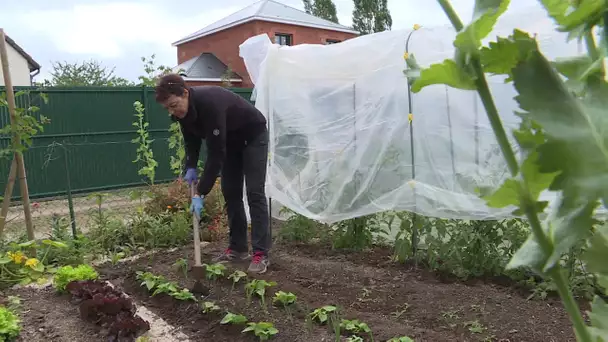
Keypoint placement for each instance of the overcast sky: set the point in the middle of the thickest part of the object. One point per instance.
(120, 32)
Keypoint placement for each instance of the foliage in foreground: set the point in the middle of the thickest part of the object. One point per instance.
(10, 325)
(562, 137)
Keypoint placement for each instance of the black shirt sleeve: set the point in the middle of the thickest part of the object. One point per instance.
(192, 145)
(216, 149)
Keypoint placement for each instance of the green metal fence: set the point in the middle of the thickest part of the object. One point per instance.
(87, 146)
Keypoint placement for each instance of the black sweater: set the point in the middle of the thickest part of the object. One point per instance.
(225, 120)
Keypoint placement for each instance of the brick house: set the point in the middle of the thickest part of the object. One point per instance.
(206, 55)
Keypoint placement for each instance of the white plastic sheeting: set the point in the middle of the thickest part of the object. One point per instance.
(340, 135)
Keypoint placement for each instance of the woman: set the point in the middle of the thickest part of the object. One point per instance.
(237, 146)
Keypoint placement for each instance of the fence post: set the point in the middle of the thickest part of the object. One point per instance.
(69, 191)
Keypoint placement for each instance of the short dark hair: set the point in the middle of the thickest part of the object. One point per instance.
(170, 84)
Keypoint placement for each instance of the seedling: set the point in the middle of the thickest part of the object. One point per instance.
(356, 327)
(209, 307)
(184, 294)
(231, 318)
(285, 298)
(236, 277)
(355, 338)
(401, 339)
(182, 265)
(258, 287)
(322, 314)
(167, 287)
(116, 257)
(475, 327)
(214, 271)
(150, 280)
(450, 315)
(326, 314)
(397, 314)
(263, 330)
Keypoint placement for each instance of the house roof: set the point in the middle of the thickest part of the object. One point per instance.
(267, 10)
(30, 61)
(205, 67)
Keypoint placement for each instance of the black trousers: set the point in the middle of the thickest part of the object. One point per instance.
(247, 163)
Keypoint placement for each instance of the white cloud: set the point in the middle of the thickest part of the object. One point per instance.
(119, 32)
(104, 29)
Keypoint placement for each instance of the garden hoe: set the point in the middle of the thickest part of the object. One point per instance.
(198, 271)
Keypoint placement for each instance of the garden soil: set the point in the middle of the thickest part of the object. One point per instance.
(48, 316)
(395, 300)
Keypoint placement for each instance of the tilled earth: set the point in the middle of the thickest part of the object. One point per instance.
(394, 300)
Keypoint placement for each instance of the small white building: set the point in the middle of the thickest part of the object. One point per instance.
(23, 66)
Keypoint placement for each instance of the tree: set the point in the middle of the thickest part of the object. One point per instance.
(87, 73)
(153, 71)
(227, 76)
(325, 9)
(371, 16)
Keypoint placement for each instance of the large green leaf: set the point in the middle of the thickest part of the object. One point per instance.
(573, 67)
(556, 9)
(599, 319)
(587, 12)
(530, 254)
(501, 56)
(596, 255)
(511, 191)
(576, 131)
(443, 73)
(576, 148)
(485, 16)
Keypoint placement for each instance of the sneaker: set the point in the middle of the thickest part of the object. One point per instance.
(230, 255)
(259, 263)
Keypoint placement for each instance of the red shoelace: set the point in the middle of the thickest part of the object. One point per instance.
(257, 257)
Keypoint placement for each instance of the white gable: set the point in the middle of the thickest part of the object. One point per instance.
(267, 10)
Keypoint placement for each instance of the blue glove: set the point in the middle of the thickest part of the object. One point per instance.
(190, 176)
(197, 206)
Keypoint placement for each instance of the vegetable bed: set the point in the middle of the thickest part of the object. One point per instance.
(392, 300)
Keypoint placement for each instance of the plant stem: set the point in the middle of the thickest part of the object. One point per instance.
(591, 47)
(580, 328)
(499, 131)
(452, 15)
(526, 201)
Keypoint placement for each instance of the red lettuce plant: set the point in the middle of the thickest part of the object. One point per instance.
(108, 307)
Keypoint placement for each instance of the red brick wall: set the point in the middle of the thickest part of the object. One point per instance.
(301, 34)
(197, 83)
(225, 44)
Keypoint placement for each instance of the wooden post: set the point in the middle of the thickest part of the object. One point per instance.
(8, 192)
(10, 97)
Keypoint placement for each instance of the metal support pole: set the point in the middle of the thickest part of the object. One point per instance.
(411, 123)
(69, 192)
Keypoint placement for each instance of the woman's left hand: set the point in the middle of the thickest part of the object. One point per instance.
(197, 206)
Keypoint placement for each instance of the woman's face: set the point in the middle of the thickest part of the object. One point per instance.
(177, 105)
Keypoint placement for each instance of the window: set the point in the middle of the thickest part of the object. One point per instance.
(332, 41)
(283, 39)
